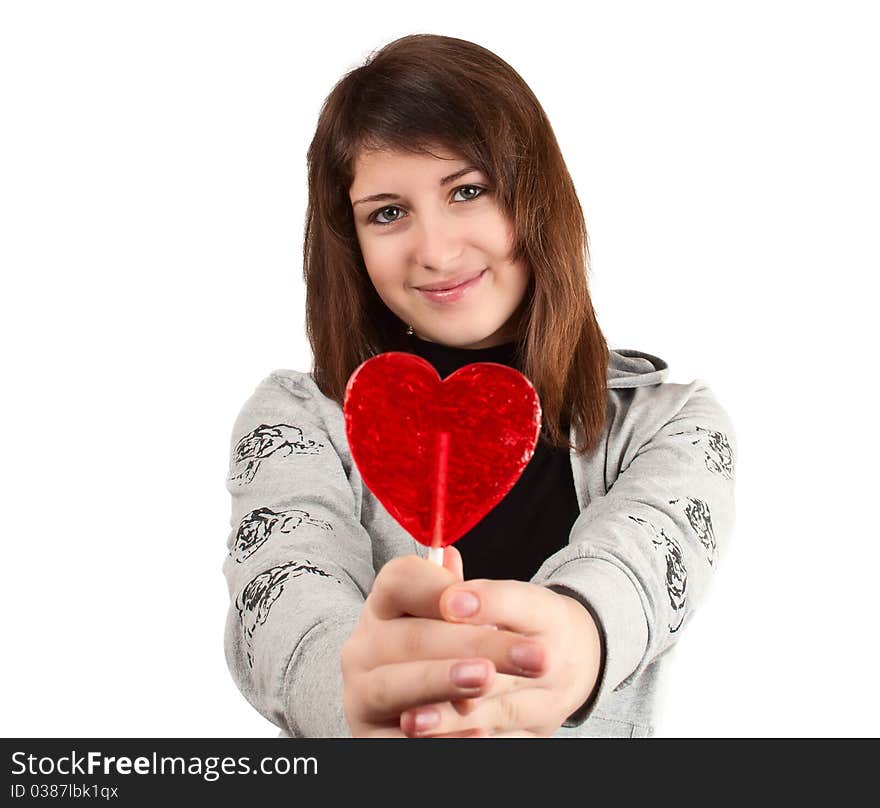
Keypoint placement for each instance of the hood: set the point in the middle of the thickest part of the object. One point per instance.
(631, 368)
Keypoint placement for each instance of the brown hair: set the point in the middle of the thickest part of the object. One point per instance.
(417, 93)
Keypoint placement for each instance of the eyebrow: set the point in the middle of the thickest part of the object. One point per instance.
(445, 181)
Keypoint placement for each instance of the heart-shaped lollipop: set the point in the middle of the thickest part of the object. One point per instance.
(439, 454)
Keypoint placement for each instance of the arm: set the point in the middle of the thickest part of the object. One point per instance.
(642, 557)
(300, 562)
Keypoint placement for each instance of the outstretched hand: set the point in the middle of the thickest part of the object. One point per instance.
(403, 653)
(549, 674)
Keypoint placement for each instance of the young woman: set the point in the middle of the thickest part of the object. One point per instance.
(442, 221)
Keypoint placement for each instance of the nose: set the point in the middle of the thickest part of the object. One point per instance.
(439, 241)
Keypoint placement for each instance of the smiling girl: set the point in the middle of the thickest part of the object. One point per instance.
(442, 221)
(438, 234)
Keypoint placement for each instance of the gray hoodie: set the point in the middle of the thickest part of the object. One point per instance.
(307, 539)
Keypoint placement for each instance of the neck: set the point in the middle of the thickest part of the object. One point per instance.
(448, 358)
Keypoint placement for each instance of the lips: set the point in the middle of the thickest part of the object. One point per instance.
(462, 291)
(450, 284)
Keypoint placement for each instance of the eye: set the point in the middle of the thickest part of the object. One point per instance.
(473, 188)
(372, 218)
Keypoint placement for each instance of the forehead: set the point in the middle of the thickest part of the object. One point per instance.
(391, 167)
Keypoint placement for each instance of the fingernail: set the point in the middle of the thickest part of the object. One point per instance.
(527, 657)
(425, 719)
(468, 674)
(464, 604)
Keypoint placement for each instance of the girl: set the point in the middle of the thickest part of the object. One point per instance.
(442, 221)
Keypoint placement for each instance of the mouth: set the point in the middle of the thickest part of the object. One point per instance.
(452, 293)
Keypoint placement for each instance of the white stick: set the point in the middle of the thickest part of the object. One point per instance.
(435, 553)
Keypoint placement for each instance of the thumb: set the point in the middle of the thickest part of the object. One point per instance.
(452, 561)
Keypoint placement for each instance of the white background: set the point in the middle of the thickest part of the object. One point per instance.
(152, 194)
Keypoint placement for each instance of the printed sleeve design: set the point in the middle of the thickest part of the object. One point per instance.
(298, 560)
(263, 442)
(676, 574)
(719, 458)
(256, 599)
(643, 554)
(261, 524)
(700, 520)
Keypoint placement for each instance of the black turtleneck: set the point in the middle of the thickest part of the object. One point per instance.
(534, 519)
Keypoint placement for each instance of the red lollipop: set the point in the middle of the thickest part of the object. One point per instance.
(439, 454)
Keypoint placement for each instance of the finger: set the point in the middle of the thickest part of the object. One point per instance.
(521, 734)
(394, 732)
(517, 711)
(505, 683)
(508, 715)
(502, 683)
(464, 706)
(452, 719)
(468, 733)
(411, 638)
(438, 720)
(409, 585)
(391, 689)
(453, 562)
(513, 605)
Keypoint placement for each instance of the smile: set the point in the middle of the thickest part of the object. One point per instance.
(455, 293)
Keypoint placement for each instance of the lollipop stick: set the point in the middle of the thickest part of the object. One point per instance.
(435, 552)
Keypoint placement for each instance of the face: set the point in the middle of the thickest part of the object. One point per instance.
(436, 224)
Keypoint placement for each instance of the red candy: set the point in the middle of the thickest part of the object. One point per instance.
(439, 455)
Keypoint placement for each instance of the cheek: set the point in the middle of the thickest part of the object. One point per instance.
(516, 279)
(371, 248)
(496, 237)
(382, 262)
(379, 266)
(368, 252)
(381, 281)
(390, 290)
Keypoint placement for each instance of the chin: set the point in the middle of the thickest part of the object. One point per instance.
(456, 338)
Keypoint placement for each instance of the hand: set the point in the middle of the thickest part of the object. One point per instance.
(403, 654)
(565, 663)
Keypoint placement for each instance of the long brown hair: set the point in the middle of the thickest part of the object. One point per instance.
(417, 93)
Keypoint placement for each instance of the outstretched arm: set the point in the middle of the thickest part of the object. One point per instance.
(299, 564)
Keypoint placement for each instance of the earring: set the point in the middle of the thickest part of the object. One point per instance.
(409, 330)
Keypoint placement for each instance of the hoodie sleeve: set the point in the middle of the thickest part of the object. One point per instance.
(641, 557)
(299, 565)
